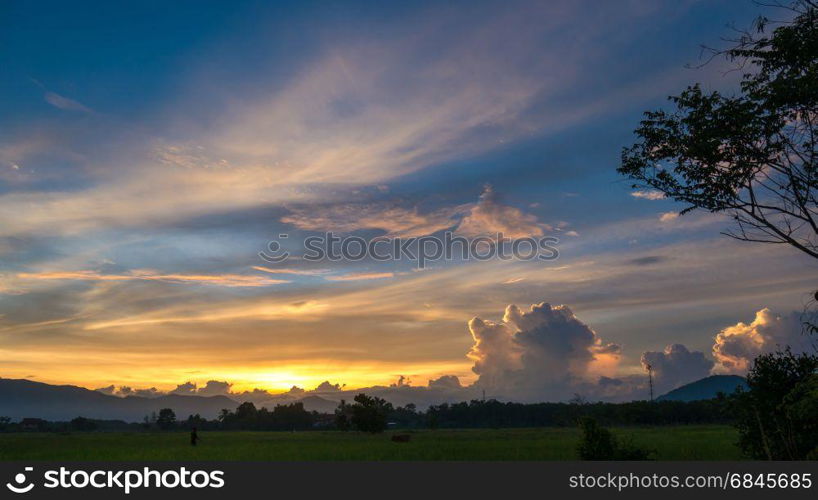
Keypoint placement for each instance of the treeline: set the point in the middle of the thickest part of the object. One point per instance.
(369, 414)
(494, 414)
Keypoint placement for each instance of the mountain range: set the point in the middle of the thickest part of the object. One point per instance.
(706, 388)
(20, 398)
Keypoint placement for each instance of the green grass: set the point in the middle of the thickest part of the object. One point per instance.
(671, 443)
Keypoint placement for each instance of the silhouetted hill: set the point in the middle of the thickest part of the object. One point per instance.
(319, 404)
(24, 398)
(706, 388)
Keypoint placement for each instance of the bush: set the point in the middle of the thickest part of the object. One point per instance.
(777, 418)
(598, 443)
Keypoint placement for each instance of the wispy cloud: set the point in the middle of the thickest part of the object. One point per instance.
(648, 194)
(487, 217)
(229, 280)
(61, 102)
(360, 276)
(290, 270)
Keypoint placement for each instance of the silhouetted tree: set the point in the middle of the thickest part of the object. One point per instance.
(753, 155)
(777, 417)
(369, 414)
(83, 424)
(195, 421)
(166, 419)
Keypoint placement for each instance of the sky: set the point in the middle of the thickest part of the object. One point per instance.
(149, 152)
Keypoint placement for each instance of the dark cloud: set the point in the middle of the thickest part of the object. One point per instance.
(186, 389)
(648, 260)
(445, 382)
(676, 365)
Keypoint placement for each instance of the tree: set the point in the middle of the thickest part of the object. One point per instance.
(777, 416)
(598, 443)
(83, 424)
(343, 416)
(752, 155)
(4, 423)
(166, 419)
(369, 413)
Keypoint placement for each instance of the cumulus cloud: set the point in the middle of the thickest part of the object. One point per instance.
(151, 392)
(186, 389)
(326, 386)
(735, 346)
(124, 391)
(676, 365)
(445, 382)
(214, 388)
(538, 354)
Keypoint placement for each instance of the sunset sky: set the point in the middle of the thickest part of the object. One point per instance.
(149, 152)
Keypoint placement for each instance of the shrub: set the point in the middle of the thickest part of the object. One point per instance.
(598, 443)
(776, 417)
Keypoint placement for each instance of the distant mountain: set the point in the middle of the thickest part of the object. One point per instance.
(25, 398)
(311, 403)
(706, 388)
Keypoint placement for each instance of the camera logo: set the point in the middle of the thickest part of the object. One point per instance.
(20, 479)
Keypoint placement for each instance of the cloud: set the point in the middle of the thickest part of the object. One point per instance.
(124, 391)
(397, 222)
(648, 194)
(186, 389)
(59, 101)
(538, 354)
(228, 280)
(151, 392)
(489, 217)
(65, 103)
(214, 388)
(445, 382)
(360, 276)
(648, 260)
(326, 386)
(288, 270)
(668, 216)
(736, 346)
(675, 366)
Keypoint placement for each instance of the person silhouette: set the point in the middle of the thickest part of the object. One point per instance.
(193, 437)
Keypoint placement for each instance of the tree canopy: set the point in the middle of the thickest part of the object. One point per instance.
(753, 154)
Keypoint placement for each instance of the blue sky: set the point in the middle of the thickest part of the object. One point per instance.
(149, 152)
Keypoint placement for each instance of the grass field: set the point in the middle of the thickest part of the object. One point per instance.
(671, 443)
